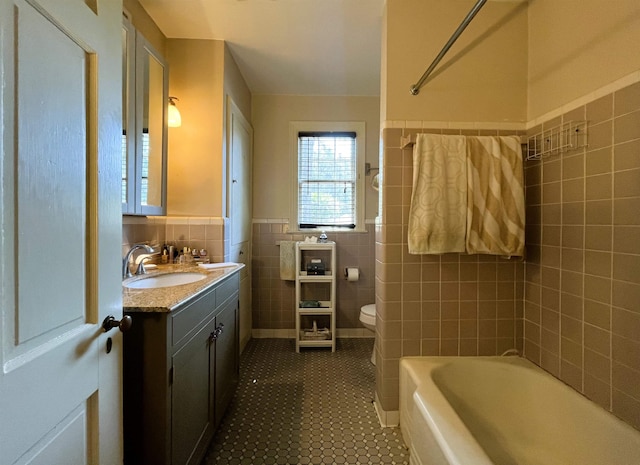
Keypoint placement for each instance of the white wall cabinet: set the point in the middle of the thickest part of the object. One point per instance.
(316, 295)
(145, 84)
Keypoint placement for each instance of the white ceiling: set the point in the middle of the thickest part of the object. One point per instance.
(294, 47)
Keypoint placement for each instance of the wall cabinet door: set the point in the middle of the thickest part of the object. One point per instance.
(192, 420)
(145, 84)
(240, 150)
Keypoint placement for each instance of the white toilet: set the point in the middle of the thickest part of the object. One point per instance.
(368, 319)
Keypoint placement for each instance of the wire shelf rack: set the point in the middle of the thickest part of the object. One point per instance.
(568, 136)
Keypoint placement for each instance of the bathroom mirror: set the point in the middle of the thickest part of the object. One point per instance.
(144, 142)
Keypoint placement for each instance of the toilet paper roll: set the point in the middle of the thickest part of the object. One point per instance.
(352, 274)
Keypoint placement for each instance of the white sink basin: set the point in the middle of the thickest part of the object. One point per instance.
(165, 280)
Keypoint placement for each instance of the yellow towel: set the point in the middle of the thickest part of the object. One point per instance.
(288, 260)
(438, 211)
(495, 216)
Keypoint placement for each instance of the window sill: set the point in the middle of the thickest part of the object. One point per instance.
(326, 230)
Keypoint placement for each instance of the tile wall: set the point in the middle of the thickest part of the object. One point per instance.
(197, 232)
(145, 230)
(273, 298)
(582, 288)
(451, 304)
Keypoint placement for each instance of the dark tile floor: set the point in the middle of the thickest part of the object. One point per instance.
(312, 407)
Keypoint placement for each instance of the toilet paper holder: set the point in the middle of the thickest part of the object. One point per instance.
(351, 273)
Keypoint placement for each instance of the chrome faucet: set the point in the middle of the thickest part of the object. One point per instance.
(126, 273)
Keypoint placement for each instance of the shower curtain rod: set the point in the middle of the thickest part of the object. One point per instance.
(415, 89)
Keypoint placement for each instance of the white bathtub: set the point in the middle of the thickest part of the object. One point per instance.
(505, 411)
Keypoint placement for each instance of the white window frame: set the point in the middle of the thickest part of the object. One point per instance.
(359, 128)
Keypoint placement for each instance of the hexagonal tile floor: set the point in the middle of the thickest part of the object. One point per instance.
(312, 407)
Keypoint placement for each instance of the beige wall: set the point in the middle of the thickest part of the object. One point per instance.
(577, 46)
(195, 170)
(202, 73)
(482, 77)
(235, 85)
(383, 67)
(272, 160)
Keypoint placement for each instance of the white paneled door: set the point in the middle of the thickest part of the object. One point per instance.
(60, 232)
(240, 146)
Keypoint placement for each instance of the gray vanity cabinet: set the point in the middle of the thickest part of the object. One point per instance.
(181, 369)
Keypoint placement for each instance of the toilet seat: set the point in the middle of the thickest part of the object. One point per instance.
(368, 314)
(368, 319)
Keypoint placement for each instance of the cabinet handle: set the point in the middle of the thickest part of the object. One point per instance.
(215, 334)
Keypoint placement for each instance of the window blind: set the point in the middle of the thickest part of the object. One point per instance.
(124, 167)
(327, 179)
(145, 167)
(144, 187)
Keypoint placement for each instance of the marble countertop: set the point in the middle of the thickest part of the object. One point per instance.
(167, 299)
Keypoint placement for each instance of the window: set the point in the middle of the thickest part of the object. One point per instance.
(145, 167)
(328, 188)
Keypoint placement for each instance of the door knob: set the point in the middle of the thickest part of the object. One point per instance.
(110, 322)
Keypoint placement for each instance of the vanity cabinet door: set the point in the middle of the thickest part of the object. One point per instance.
(192, 421)
(226, 357)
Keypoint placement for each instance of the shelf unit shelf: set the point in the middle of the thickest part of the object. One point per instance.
(310, 343)
(315, 311)
(316, 279)
(316, 319)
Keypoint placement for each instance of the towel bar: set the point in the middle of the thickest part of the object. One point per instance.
(410, 140)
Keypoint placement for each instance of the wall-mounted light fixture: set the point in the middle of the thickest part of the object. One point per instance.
(174, 118)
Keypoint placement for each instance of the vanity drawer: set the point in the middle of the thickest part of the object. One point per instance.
(189, 318)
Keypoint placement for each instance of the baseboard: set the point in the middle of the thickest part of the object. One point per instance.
(387, 419)
(273, 333)
(351, 333)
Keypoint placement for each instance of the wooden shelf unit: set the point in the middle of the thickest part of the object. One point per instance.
(316, 289)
